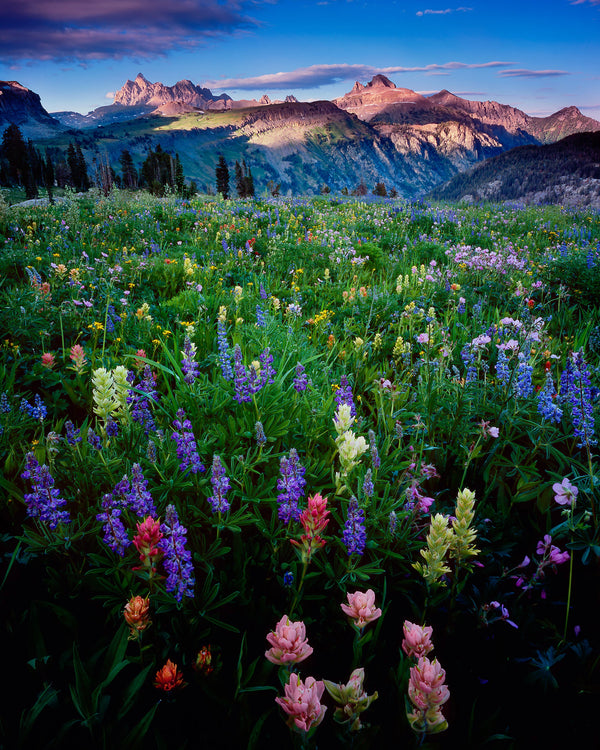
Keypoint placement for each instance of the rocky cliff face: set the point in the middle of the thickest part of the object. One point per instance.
(22, 107)
(142, 91)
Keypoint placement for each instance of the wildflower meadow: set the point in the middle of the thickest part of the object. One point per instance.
(298, 473)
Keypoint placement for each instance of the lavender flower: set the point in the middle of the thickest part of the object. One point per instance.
(112, 428)
(301, 379)
(344, 395)
(4, 404)
(44, 502)
(291, 486)
(355, 534)
(177, 560)
(220, 484)
(267, 372)
(189, 366)
(187, 449)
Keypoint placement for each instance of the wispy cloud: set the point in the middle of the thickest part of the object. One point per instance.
(581, 2)
(431, 12)
(315, 76)
(72, 30)
(521, 73)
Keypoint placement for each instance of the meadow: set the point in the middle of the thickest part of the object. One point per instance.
(307, 472)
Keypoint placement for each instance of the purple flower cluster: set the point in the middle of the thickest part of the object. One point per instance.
(250, 380)
(502, 368)
(523, 382)
(115, 535)
(547, 405)
(177, 560)
(291, 487)
(301, 379)
(189, 366)
(259, 434)
(93, 439)
(355, 534)
(73, 433)
(375, 460)
(368, 487)
(261, 317)
(220, 485)
(44, 501)
(126, 494)
(187, 449)
(145, 393)
(224, 353)
(576, 390)
(344, 395)
(37, 410)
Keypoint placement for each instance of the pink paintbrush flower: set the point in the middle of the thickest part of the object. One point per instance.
(417, 639)
(302, 703)
(289, 644)
(361, 608)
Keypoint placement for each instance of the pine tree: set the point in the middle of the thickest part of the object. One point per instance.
(179, 178)
(129, 177)
(14, 150)
(240, 182)
(222, 175)
(49, 177)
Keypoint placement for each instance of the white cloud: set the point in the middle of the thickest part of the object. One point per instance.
(431, 12)
(522, 73)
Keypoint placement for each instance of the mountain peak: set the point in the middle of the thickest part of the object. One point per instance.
(141, 78)
(380, 81)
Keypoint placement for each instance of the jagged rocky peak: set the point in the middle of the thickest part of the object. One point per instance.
(356, 88)
(291, 99)
(380, 81)
(264, 99)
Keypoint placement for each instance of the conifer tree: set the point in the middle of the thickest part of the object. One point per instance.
(222, 175)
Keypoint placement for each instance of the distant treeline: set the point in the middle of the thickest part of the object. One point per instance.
(527, 169)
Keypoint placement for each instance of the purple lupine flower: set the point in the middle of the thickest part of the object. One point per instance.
(267, 372)
(262, 292)
(187, 448)
(141, 398)
(392, 522)
(224, 352)
(115, 535)
(301, 379)
(189, 366)
(73, 433)
(547, 405)
(37, 411)
(137, 497)
(93, 439)
(355, 534)
(523, 382)
(112, 428)
(241, 377)
(368, 487)
(151, 451)
(4, 404)
(468, 358)
(261, 318)
(375, 460)
(220, 484)
(177, 560)
(259, 434)
(576, 390)
(502, 369)
(344, 395)
(291, 486)
(44, 502)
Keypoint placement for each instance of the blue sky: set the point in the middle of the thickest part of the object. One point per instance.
(536, 56)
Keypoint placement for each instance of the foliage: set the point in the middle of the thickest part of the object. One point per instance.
(225, 419)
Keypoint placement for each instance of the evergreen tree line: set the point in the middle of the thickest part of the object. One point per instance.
(244, 182)
(23, 165)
